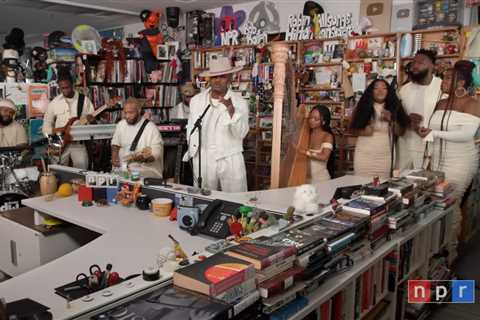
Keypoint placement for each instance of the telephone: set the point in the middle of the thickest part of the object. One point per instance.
(213, 221)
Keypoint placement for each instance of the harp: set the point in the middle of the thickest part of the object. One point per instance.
(290, 125)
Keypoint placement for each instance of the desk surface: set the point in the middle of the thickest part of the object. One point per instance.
(130, 240)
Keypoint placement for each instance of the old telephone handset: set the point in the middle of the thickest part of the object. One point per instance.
(213, 221)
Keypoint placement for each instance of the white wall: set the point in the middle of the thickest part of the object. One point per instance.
(287, 7)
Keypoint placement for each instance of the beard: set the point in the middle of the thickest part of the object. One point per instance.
(5, 121)
(133, 121)
(418, 77)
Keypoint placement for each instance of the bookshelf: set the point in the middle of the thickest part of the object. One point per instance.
(385, 261)
(448, 42)
(128, 78)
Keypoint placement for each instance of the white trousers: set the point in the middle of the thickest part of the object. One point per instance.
(78, 153)
(226, 174)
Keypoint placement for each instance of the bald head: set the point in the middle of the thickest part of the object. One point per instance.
(132, 111)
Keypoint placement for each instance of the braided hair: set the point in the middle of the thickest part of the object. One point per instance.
(461, 71)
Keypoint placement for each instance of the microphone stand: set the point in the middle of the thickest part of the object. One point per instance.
(198, 125)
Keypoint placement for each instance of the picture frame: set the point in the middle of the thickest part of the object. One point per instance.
(172, 49)
(162, 52)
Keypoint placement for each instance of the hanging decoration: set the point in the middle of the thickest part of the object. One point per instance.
(298, 28)
(152, 37)
(264, 16)
(253, 35)
(227, 25)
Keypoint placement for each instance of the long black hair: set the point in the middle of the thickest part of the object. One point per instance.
(326, 119)
(364, 112)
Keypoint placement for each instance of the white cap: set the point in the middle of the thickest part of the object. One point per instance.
(7, 103)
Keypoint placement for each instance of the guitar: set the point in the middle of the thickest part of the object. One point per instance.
(82, 120)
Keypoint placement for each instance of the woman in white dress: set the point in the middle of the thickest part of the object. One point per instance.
(322, 142)
(378, 120)
(451, 132)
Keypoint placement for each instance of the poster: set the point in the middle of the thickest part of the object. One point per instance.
(17, 92)
(37, 100)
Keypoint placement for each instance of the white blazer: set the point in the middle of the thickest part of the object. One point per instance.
(230, 131)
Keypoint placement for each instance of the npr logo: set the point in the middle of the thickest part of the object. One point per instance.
(441, 291)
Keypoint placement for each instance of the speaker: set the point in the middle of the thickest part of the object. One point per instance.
(172, 16)
(187, 217)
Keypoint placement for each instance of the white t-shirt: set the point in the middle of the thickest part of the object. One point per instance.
(61, 109)
(180, 111)
(151, 137)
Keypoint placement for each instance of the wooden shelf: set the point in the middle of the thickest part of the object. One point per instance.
(443, 56)
(372, 59)
(120, 84)
(434, 30)
(374, 35)
(319, 65)
(323, 40)
(308, 88)
(240, 46)
(205, 69)
(322, 102)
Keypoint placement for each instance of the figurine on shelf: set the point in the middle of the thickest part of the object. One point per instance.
(151, 38)
(114, 50)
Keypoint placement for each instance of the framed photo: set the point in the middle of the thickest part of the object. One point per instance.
(172, 49)
(162, 52)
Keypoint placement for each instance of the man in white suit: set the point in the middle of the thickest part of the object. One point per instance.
(224, 126)
(419, 98)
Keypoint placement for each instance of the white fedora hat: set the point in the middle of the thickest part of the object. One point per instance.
(220, 65)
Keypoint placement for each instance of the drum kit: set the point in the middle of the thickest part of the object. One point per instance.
(16, 180)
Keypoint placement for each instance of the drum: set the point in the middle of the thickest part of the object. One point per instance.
(11, 200)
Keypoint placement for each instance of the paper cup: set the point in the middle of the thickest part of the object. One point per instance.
(161, 207)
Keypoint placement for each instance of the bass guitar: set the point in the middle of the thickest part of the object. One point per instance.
(64, 131)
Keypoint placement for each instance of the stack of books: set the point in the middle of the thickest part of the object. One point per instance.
(377, 213)
(221, 277)
(442, 195)
(277, 274)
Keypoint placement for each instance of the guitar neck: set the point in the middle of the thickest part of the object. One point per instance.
(99, 110)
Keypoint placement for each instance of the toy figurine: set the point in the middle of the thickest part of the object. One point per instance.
(289, 214)
(152, 37)
(125, 196)
(179, 253)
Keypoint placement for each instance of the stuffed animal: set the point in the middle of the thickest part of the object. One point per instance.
(151, 38)
(305, 199)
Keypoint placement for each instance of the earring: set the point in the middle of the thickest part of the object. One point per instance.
(463, 94)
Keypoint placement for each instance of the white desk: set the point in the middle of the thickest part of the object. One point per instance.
(130, 240)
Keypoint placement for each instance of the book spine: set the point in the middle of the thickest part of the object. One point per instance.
(238, 292)
(275, 269)
(283, 254)
(230, 282)
(281, 285)
(246, 302)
